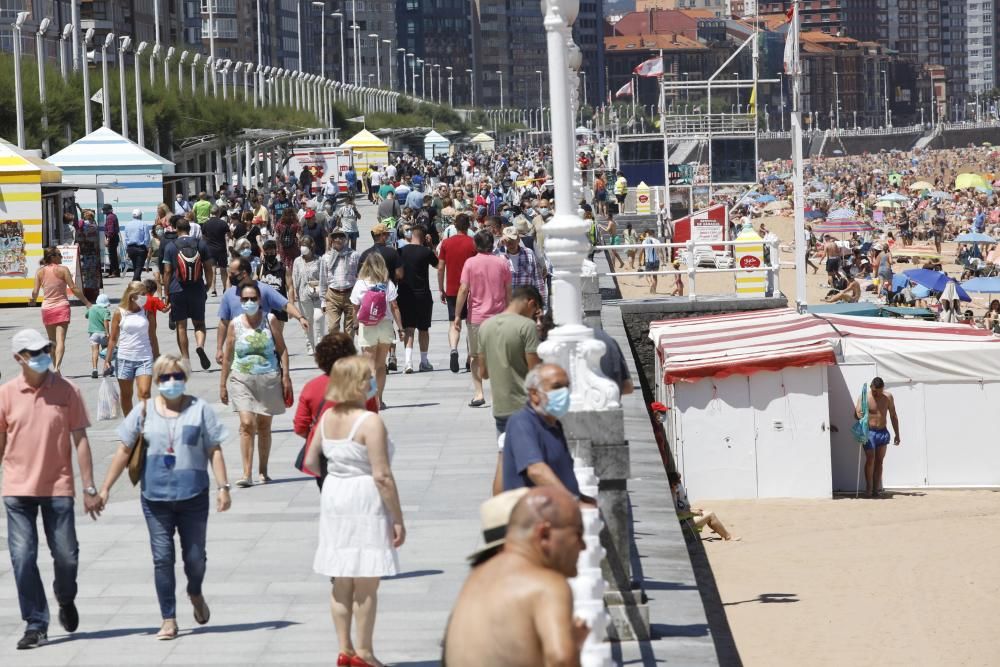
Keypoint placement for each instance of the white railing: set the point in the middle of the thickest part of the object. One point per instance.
(773, 270)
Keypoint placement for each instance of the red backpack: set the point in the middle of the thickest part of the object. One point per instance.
(189, 268)
(373, 305)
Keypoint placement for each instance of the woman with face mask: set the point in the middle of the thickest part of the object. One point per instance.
(255, 378)
(183, 437)
(274, 274)
(133, 341)
(305, 290)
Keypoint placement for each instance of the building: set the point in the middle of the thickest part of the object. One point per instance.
(682, 57)
(440, 32)
(828, 16)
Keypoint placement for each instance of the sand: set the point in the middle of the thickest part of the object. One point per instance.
(911, 580)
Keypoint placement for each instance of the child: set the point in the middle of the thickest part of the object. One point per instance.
(98, 318)
(153, 303)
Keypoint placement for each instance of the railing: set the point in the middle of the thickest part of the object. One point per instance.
(773, 270)
(889, 131)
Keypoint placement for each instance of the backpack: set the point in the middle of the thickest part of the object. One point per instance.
(288, 239)
(189, 268)
(373, 306)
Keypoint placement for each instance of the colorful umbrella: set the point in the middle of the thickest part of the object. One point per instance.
(842, 214)
(895, 179)
(968, 180)
(765, 199)
(975, 237)
(841, 227)
(941, 195)
(894, 196)
(778, 205)
(921, 185)
(983, 285)
(985, 189)
(936, 281)
(888, 204)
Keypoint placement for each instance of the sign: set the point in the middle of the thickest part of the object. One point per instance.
(642, 202)
(750, 256)
(71, 260)
(705, 225)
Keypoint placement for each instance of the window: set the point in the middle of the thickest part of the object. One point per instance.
(224, 28)
(219, 6)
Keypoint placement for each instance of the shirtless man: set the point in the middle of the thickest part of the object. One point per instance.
(516, 609)
(880, 405)
(832, 253)
(849, 294)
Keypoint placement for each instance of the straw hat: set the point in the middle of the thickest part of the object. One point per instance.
(493, 517)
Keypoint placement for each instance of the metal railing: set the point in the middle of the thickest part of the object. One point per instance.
(773, 269)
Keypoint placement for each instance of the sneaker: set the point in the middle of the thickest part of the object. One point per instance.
(425, 366)
(454, 361)
(172, 325)
(93, 374)
(205, 363)
(409, 369)
(468, 364)
(32, 639)
(69, 618)
(392, 364)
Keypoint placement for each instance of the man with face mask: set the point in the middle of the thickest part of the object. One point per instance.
(524, 269)
(43, 417)
(535, 450)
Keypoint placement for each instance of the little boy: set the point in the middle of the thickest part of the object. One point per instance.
(154, 303)
(98, 319)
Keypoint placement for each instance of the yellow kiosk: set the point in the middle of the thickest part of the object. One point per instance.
(367, 150)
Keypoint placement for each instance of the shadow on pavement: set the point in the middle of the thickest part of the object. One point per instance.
(103, 634)
(414, 574)
(240, 627)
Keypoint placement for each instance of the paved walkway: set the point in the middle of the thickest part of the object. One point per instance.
(268, 607)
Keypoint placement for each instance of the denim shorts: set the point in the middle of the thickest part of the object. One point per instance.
(129, 370)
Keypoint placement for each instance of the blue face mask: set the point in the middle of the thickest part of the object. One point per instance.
(172, 388)
(40, 363)
(372, 388)
(250, 307)
(557, 403)
(245, 252)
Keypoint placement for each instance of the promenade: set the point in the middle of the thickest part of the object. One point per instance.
(268, 607)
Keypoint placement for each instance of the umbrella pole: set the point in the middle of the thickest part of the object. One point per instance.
(857, 483)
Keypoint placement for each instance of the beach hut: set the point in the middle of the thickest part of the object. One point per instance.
(483, 142)
(434, 145)
(23, 233)
(367, 150)
(133, 175)
(762, 403)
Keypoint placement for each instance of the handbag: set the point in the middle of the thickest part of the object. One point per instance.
(137, 456)
(860, 428)
(301, 458)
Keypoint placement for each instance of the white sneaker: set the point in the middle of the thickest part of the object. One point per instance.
(409, 369)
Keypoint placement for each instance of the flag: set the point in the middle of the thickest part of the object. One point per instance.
(792, 42)
(651, 67)
(356, 119)
(752, 107)
(624, 91)
(98, 96)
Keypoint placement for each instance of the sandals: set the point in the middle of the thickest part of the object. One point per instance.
(165, 635)
(477, 403)
(244, 483)
(263, 479)
(201, 611)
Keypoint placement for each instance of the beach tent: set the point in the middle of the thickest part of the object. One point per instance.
(434, 145)
(484, 142)
(105, 157)
(21, 228)
(754, 398)
(367, 150)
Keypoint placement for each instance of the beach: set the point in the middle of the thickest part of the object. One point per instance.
(910, 579)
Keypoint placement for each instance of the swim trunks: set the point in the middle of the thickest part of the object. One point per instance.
(832, 264)
(877, 437)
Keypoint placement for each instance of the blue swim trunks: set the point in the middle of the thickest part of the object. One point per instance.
(877, 437)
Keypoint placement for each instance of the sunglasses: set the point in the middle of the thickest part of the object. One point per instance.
(244, 299)
(166, 377)
(35, 353)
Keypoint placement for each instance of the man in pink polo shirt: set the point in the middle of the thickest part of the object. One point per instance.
(42, 416)
(486, 286)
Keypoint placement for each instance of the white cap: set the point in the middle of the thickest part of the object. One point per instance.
(28, 339)
(137, 214)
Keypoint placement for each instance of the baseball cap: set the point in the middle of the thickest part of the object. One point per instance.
(103, 300)
(136, 213)
(310, 214)
(28, 339)
(494, 515)
(379, 229)
(522, 226)
(509, 234)
(339, 232)
(107, 207)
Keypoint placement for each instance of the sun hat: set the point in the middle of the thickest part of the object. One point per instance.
(103, 300)
(522, 226)
(509, 234)
(494, 515)
(28, 339)
(379, 229)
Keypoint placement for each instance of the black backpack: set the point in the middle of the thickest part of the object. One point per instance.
(288, 239)
(189, 268)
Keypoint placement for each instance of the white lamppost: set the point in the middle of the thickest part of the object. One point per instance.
(123, 47)
(209, 66)
(211, 31)
(378, 58)
(140, 131)
(224, 70)
(437, 66)
(500, 74)
(322, 37)
(180, 70)
(298, 23)
(18, 85)
(237, 67)
(451, 87)
(541, 118)
(88, 119)
(109, 40)
(343, 63)
(388, 57)
(152, 64)
(74, 20)
(570, 344)
(356, 43)
(166, 67)
(472, 87)
(194, 73)
(64, 37)
(423, 85)
(413, 73)
(43, 27)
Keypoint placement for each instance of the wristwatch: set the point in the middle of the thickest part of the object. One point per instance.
(91, 491)
(225, 487)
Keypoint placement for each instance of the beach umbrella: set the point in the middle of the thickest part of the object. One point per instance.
(920, 292)
(968, 180)
(941, 194)
(894, 196)
(778, 205)
(888, 204)
(765, 199)
(841, 227)
(975, 237)
(814, 214)
(921, 185)
(932, 280)
(818, 195)
(954, 291)
(895, 179)
(983, 285)
(842, 214)
(985, 189)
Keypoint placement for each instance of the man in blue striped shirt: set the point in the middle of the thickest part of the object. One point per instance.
(136, 233)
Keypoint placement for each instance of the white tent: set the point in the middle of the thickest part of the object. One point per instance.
(484, 142)
(434, 145)
(762, 402)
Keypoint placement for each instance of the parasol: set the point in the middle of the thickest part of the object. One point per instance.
(921, 185)
(968, 180)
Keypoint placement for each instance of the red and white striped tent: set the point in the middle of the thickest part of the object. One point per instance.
(718, 346)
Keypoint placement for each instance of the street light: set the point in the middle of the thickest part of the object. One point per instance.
(413, 74)
(64, 37)
(194, 74)
(402, 53)
(123, 48)
(139, 129)
(388, 51)
(208, 65)
(500, 74)
(356, 43)
(322, 37)
(437, 66)
(451, 87)
(472, 87)
(378, 58)
(88, 121)
(43, 27)
(18, 85)
(343, 68)
(423, 85)
(166, 67)
(541, 120)
(836, 98)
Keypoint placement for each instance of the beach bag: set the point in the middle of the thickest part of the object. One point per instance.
(860, 428)
(137, 455)
(373, 306)
(107, 400)
(188, 263)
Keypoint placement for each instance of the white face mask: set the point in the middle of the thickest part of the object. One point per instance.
(304, 250)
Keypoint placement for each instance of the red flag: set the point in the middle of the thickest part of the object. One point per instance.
(790, 14)
(624, 91)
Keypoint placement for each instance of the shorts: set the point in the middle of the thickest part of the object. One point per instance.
(55, 315)
(416, 312)
(258, 394)
(220, 259)
(832, 264)
(501, 424)
(188, 305)
(352, 236)
(877, 437)
(652, 266)
(98, 338)
(376, 334)
(280, 315)
(126, 369)
(452, 302)
(473, 339)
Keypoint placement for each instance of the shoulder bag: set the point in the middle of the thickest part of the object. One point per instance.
(137, 457)
(860, 427)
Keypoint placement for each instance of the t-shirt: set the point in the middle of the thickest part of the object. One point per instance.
(274, 275)
(651, 257)
(316, 233)
(362, 286)
(270, 302)
(38, 458)
(390, 256)
(613, 362)
(454, 252)
(202, 210)
(170, 257)
(504, 339)
(530, 439)
(96, 317)
(416, 260)
(311, 399)
(214, 232)
(487, 278)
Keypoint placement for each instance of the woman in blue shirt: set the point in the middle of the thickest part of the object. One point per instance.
(183, 436)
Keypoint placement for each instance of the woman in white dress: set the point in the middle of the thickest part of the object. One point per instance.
(361, 521)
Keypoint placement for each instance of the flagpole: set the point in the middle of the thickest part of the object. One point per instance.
(797, 177)
(668, 220)
(635, 92)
